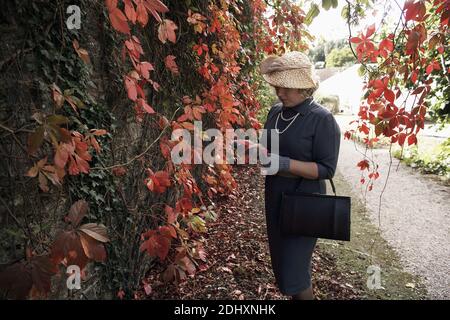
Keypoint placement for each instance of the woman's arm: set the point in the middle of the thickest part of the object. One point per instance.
(308, 170)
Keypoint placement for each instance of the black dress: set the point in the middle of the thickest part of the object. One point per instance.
(313, 136)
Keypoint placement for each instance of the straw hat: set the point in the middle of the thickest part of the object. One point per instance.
(291, 70)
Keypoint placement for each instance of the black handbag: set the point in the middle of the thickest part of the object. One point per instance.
(315, 215)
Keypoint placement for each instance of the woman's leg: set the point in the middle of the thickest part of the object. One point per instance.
(306, 294)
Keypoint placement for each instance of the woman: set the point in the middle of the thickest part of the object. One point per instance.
(309, 140)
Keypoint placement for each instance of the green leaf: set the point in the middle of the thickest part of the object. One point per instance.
(312, 13)
(326, 4)
(57, 119)
(334, 3)
(344, 12)
(197, 224)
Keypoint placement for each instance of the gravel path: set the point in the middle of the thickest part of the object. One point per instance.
(414, 218)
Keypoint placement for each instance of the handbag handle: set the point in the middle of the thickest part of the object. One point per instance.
(333, 187)
(331, 181)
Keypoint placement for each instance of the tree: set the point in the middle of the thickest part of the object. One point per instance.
(340, 57)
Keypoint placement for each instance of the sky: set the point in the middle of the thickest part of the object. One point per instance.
(331, 26)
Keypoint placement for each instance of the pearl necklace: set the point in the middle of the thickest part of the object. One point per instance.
(282, 118)
(292, 119)
(287, 127)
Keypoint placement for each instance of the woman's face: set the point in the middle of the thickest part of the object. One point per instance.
(290, 97)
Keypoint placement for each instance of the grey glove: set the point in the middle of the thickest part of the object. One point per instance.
(276, 164)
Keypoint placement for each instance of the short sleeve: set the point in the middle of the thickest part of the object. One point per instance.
(326, 145)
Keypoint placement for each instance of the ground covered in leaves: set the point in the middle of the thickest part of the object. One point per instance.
(238, 255)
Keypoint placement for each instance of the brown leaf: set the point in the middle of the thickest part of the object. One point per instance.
(166, 31)
(77, 211)
(96, 231)
(82, 53)
(93, 249)
(57, 96)
(35, 140)
(67, 248)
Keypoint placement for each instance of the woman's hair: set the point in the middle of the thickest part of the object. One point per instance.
(308, 92)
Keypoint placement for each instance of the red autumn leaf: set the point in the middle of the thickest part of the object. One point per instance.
(197, 112)
(119, 20)
(142, 15)
(130, 85)
(134, 48)
(370, 31)
(364, 128)
(144, 106)
(165, 149)
(144, 69)
(171, 64)
(355, 40)
(156, 245)
(387, 44)
(412, 139)
(158, 182)
(401, 138)
(374, 175)
(111, 4)
(413, 42)
(163, 178)
(67, 248)
(429, 68)
(155, 6)
(171, 215)
(168, 231)
(61, 155)
(166, 31)
(414, 10)
(389, 95)
(130, 12)
(364, 164)
(436, 65)
(414, 76)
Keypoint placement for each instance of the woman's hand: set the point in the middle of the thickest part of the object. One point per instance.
(276, 164)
